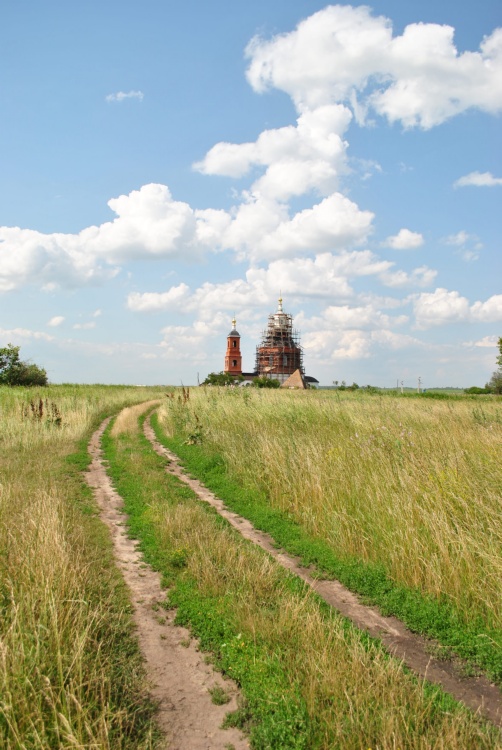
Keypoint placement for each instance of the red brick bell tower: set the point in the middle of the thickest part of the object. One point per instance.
(233, 357)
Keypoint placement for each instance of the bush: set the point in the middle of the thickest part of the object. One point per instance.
(13, 371)
(222, 378)
(265, 382)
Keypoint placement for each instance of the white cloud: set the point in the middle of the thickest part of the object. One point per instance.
(459, 239)
(85, 326)
(404, 240)
(11, 335)
(422, 276)
(310, 156)
(325, 276)
(120, 96)
(149, 224)
(443, 307)
(344, 54)
(478, 179)
(156, 302)
(56, 321)
(334, 223)
(489, 311)
(488, 342)
(97, 313)
(47, 260)
(366, 317)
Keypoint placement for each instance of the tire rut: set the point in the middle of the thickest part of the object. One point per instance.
(477, 693)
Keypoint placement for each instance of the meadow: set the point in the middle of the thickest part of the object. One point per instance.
(70, 670)
(399, 497)
(309, 680)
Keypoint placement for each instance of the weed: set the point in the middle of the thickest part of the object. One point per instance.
(219, 696)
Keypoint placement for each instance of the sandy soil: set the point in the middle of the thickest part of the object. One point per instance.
(179, 677)
(478, 693)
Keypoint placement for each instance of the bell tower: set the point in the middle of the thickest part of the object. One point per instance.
(233, 357)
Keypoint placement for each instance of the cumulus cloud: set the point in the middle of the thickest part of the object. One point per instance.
(478, 179)
(334, 223)
(85, 326)
(150, 224)
(404, 240)
(310, 156)
(345, 54)
(55, 321)
(121, 96)
(324, 277)
(422, 276)
(156, 302)
(442, 307)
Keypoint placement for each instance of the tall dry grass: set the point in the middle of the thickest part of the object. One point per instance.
(412, 484)
(70, 671)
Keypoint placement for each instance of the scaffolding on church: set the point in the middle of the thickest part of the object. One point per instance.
(279, 354)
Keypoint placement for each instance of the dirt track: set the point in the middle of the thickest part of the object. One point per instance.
(478, 693)
(179, 677)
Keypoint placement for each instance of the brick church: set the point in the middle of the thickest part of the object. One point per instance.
(279, 355)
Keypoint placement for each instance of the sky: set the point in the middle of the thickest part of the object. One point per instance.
(165, 166)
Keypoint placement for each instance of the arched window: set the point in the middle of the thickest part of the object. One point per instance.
(234, 343)
(234, 363)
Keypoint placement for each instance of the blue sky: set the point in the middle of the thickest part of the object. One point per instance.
(164, 166)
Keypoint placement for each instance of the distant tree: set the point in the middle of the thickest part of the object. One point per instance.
(14, 371)
(265, 382)
(495, 382)
(222, 378)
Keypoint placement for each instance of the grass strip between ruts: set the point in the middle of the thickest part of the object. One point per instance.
(274, 712)
(434, 618)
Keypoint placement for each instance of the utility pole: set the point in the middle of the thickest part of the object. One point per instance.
(402, 389)
(419, 390)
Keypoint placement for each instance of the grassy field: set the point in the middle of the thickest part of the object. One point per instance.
(398, 497)
(310, 681)
(70, 672)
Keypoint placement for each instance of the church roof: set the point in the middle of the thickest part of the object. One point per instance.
(294, 381)
(233, 332)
